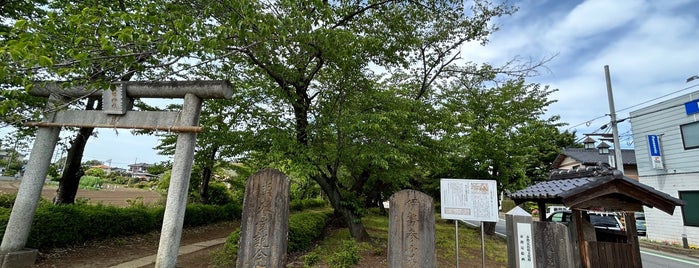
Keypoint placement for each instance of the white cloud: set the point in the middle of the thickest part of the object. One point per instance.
(650, 46)
(592, 18)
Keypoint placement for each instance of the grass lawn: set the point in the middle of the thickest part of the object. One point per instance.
(337, 249)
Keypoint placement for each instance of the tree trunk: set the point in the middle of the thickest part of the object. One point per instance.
(70, 179)
(489, 228)
(354, 222)
(206, 176)
(72, 172)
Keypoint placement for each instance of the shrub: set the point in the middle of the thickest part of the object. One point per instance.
(64, 225)
(90, 182)
(7, 200)
(304, 228)
(96, 172)
(507, 205)
(219, 194)
(311, 259)
(303, 204)
(348, 256)
(198, 214)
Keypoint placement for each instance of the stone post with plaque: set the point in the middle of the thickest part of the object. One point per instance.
(520, 243)
(265, 221)
(411, 230)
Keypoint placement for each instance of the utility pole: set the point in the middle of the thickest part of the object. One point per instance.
(615, 132)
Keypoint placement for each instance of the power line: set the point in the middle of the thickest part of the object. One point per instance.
(663, 96)
(587, 122)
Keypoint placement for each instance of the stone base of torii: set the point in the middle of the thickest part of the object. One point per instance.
(116, 113)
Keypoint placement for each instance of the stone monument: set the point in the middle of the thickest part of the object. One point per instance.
(265, 221)
(411, 230)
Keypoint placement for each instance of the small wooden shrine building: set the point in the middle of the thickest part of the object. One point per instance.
(601, 189)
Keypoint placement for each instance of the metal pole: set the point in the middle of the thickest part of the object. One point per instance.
(456, 228)
(615, 132)
(176, 203)
(483, 243)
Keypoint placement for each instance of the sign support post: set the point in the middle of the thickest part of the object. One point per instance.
(456, 229)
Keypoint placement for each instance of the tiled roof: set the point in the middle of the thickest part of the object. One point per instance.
(592, 156)
(570, 185)
(563, 181)
(549, 189)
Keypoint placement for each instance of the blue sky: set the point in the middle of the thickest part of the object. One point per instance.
(651, 48)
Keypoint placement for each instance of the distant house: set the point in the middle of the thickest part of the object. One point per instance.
(140, 170)
(15, 156)
(591, 155)
(119, 170)
(106, 168)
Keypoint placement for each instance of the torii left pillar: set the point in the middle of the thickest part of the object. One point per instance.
(12, 250)
(117, 115)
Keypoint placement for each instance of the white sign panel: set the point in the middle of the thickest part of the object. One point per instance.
(475, 200)
(525, 250)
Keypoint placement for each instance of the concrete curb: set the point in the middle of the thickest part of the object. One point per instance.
(692, 253)
(184, 250)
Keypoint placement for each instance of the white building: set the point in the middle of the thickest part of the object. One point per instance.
(666, 137)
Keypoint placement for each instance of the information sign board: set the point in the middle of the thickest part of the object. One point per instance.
(475, 200)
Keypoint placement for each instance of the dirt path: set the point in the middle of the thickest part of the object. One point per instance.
(111, 252)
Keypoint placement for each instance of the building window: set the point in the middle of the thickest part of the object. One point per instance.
(690, 135)
(690, 211)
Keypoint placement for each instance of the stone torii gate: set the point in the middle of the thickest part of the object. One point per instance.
(116, 113)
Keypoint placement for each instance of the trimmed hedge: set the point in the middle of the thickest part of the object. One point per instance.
(303, 204)
(304, 228)
(64, 225)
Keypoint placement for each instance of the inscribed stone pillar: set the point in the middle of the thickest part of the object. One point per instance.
(411, 230)
(265, 221)
(520, 245)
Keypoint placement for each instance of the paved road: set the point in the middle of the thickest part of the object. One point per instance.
(658, 259)
(650, 258)
(8, 178)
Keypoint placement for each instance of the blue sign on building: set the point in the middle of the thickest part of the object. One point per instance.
(656, 158)
(654, 145)
(692, 107)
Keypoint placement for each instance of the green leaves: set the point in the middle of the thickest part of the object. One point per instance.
(45, 61)
(20, 25)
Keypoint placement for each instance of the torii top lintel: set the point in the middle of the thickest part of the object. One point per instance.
(212, 89)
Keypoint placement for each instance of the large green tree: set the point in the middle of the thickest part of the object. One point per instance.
(363, 97)
(319, 53)
(504, 134)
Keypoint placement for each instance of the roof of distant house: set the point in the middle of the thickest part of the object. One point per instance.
(140, 165)
(101, 166)
(591, 157)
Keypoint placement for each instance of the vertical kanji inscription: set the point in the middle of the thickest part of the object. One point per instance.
(411, 239)
(265, 220)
